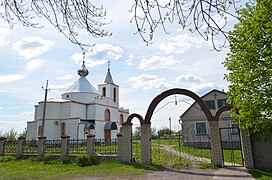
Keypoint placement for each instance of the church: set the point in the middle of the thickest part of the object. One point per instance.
(80, 111)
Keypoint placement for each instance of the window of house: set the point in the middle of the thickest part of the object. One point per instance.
(234, 127)
(114, 94)
(62, 129)
(210, 104)
(103, 91)
(121, 118)
(201, 128)
(221, 102)
(107, 115)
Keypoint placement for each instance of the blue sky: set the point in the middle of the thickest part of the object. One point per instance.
(31, 56)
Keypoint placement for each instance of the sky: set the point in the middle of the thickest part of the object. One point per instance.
(180, 59)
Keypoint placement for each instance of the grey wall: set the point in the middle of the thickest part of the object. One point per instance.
(262, 152)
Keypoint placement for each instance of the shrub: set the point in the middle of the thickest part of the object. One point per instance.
(6, 158)
(85, 160)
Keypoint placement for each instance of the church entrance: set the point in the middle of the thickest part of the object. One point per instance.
(107, 135)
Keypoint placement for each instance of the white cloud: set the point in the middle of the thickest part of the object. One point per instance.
(29, 68)
(99, 55)
(66, 77)
(129, 60)
(31, 46)
(188, 78)
(182, 43)
(4, 31)
(147, 81)
(158, 62)
(203, 88)
(61, 86)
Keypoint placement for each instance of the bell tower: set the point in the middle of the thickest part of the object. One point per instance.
(109, 89)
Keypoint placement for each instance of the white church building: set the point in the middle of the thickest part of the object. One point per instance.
(80, 111)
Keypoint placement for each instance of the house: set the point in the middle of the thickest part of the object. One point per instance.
(80, 111)
(195, 127)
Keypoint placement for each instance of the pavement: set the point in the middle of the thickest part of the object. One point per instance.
(228, 173)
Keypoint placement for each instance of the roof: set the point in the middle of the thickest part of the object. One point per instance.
(108, 79)
(110, 126)
(214, 90)
(82, 85)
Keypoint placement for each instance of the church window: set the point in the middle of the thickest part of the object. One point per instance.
(104, 91)
(121, 118)
(40, 131)
(114, 94)
(62, 129)
(107, 115)
(201, 128)
(234, 127)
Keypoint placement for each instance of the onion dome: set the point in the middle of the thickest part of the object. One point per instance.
(83, 71)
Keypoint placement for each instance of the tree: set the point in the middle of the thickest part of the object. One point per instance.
(196, 15)
(11, 135)
(249, 63)
(165, 132)
(68, 17)
(71, 16)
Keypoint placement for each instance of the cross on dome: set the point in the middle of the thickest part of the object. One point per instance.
(83, 71)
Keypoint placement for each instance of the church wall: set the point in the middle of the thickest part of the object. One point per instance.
(91, 112)
(31, 130)
(83, 97)
(71, 128)
(78, 110)
(66, 110)
(52, 129)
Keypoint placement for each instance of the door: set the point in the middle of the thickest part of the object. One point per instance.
(107, 135)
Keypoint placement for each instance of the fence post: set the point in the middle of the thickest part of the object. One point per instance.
(127, 149)
(119, 146)
(246, 149)
(146, 147)
(2, 146)
(90, 144)
(20, 146)
(64, 147)
(41, 148)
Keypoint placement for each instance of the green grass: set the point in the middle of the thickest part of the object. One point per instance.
(29, 169)
(260, 175)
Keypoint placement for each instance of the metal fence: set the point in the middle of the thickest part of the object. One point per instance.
(108, 147)
(10, 147)
(30, 147)
(77, 146)
(52, 146)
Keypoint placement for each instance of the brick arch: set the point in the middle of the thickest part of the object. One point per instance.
(169, 92)
(134, 115)
(220, 111)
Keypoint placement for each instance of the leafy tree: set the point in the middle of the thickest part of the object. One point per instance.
(250, 68)
(11, 135)
(71, 16)
(165, 132)
(137, 133)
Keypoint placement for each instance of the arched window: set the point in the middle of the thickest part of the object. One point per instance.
(121, 118)
(107, 115)
(114, 94)
(62, 129)
(40, 131)
(103, 91)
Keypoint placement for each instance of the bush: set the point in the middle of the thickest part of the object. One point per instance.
(85, 160)
(6, 158)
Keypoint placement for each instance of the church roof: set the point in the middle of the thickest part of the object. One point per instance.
(108, 79)
(82, 84)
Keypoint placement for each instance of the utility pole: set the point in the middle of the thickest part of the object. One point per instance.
(44, 108)
(170, 129)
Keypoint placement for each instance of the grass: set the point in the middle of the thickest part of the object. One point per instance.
(53, 169)
(260, 175)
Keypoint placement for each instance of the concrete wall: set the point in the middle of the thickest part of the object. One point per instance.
(262, 152)
(31, 130)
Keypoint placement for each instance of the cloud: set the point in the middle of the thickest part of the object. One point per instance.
(66, 77)
(61, 86)
(182, 43)
(147, 81)
(4, 31)
(129, 60)
(31, 46)
(158, 62)
(99, 55)
(188, 78)
(29, 68)
(203, 88)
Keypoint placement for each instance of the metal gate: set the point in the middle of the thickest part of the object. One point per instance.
(231, 146)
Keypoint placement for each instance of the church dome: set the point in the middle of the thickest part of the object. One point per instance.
(83, 71)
